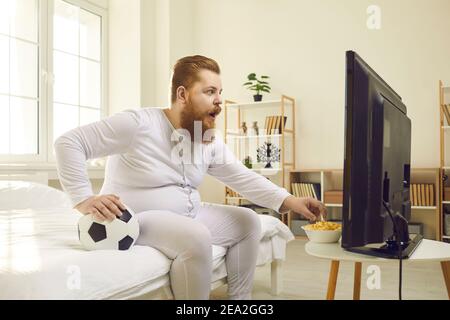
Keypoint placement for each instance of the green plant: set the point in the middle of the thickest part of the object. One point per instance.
(248, 162)
(257, 85)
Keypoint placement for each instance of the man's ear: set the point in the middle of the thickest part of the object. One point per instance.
(182, 94)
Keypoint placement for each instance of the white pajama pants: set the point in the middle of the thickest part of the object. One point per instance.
(187, 241)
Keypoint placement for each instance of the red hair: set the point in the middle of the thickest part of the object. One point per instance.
(185, 72)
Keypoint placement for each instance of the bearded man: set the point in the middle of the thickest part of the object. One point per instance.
(151, 168)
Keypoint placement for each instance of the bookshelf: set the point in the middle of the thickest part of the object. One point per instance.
(271, 129)
(444, 194)
(425, 216)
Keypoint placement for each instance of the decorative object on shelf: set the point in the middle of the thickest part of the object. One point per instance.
(268, 153)
(254, 84)
(333, 196)
(256, 128)
(244, 128)
(248, 162)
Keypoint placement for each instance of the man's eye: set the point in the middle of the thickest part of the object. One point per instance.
(210, 91)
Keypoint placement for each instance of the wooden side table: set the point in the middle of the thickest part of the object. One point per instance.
(428, 250)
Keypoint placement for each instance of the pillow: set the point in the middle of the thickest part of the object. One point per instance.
(21, 195)
(271, 226)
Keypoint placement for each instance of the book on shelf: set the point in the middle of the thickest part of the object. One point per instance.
(422, 194)
(266, 125)
(232, 194)
(430, 195)
(416, 195)
(307, 190)
(446, 111)
(277, 124)
(284, 124)
(274, 124)
(312, 190)
(432, 199)
(446, 193)
(317, 192)
(268, 122)
(304, 191)
(415, 199)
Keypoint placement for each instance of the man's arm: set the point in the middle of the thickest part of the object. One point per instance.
(112, 135)
(258, 189)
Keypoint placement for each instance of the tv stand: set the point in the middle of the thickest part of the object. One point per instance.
(389, 250)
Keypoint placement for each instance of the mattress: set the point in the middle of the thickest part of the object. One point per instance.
(41, 257)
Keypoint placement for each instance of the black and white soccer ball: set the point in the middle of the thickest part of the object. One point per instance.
(120, 234)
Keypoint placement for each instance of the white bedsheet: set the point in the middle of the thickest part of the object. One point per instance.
(41, 258)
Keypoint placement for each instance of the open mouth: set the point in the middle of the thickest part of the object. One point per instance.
(213, 115)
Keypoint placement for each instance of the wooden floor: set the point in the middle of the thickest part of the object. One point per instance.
(306, 278)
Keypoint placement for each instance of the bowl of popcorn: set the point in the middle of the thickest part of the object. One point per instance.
(323, 231)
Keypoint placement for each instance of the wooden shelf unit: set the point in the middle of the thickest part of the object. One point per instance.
(444, 206)
(246, 145)
(332, 179)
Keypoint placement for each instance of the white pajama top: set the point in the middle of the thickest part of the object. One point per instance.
(151, 166)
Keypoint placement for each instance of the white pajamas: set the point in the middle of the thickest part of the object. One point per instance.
(155, 171)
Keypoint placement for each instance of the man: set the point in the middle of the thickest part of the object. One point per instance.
(150, 168)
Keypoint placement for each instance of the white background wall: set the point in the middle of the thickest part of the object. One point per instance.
(301, 44)
(124, 55)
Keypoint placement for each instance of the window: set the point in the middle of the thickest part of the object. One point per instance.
(77, 67)
(19, 87)
(52, 81)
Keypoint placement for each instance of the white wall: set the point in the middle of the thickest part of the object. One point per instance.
(301, 44)
(149, 64)
(162, 52)
(174, 39)
(124, 55)
(146, 38)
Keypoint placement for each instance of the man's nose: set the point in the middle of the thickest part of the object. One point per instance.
(218, 101)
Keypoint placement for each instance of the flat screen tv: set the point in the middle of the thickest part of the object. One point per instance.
(377, 157)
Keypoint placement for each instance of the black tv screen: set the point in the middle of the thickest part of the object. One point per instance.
(377, 160)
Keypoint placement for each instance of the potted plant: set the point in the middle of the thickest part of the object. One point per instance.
(248, 162)
(257, 85)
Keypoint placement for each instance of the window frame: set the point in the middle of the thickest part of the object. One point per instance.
(42, 97)
(46, 81)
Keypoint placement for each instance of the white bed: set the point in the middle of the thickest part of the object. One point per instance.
(41, 258)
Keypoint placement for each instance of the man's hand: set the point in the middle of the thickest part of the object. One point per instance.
(102, 207)
(310, 208)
